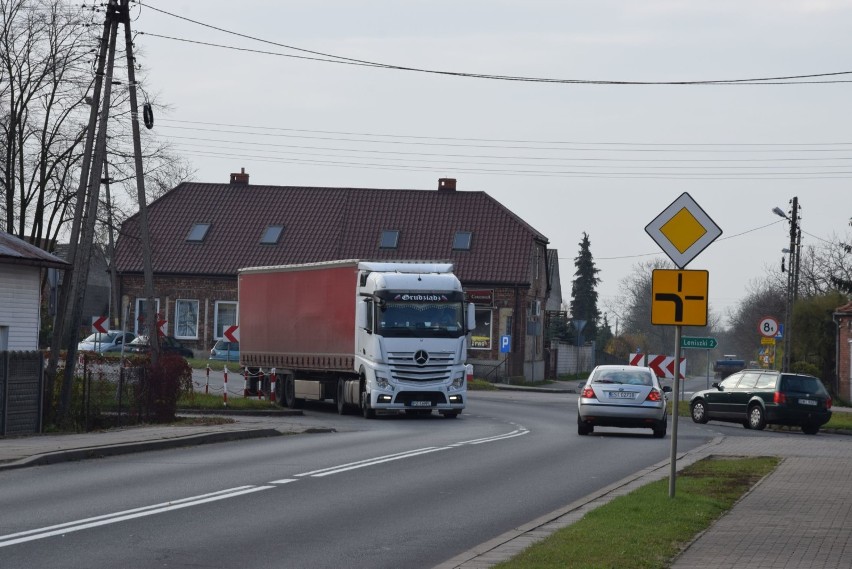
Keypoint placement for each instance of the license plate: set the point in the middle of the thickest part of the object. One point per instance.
(807, 402)
(621, 395)
(421, 403)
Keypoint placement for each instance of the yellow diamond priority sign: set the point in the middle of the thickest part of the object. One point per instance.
(683, 230)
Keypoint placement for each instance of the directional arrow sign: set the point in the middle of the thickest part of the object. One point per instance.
(232, 333)
(100, 324)
(699, 343)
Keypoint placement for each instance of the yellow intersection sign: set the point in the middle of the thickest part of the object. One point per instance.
(679, 297)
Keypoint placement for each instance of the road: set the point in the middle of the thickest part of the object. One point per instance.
(393, 492)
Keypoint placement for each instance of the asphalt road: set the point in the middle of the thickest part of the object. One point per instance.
(393, 492)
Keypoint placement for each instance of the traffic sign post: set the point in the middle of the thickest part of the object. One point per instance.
(768, 327)
(698, 343)
(232, 333)
(100, 324)
(679, 298)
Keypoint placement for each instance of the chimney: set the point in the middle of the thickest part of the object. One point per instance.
(446, 184)
(240, 179)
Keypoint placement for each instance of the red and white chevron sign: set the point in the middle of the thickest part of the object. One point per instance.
(663, 366)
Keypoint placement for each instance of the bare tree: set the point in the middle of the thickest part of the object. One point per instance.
(44, 52)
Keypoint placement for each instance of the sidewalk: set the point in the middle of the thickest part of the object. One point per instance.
(798, 516)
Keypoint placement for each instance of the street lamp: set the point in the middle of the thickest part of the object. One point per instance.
(792, 273)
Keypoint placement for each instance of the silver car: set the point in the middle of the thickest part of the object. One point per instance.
(622, 396)
(109, 341)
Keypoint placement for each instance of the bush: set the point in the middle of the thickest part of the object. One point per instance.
(161, 386)
(806, 368)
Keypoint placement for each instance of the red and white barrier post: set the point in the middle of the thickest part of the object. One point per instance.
(260, 377)
(225, 389)
(245, 381)
(468, 372)
(272, 387)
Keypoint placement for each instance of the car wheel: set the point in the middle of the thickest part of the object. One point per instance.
(756, 418)
(660, 429)
(810, 429)
(699, 411)
(584, 428)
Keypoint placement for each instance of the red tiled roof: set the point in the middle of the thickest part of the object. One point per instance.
(323, 224)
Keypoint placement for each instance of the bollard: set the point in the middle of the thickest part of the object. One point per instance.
(272, 387)
(225, 390)
(260, 383)
(245, 381)
(207, 385)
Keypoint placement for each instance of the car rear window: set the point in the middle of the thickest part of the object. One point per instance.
(801, 384)
(625, 377)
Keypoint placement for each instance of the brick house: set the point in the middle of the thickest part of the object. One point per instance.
(203, 233)
(843, 318)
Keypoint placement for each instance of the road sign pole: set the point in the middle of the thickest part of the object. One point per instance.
(675, 409)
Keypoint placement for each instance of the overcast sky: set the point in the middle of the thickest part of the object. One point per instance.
(568, 158)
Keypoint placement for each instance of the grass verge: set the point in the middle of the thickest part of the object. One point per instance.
(202, 401)
(645, 528)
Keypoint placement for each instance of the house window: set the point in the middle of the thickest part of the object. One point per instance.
(186, 319)
(389, 239)
(225, 316)
(140, 327)
(198, 232)
(480, 338)
(272, 234)
(461, 241)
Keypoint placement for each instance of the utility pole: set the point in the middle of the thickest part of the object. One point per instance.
(92, 171)
(792, 279)
(147, 265)
(81, 260)
(67, 292)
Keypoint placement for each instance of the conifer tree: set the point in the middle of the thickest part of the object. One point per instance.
(584, 296)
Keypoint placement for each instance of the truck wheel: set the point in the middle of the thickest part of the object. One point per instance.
(366, 410)
(342, 407)
(290, 393)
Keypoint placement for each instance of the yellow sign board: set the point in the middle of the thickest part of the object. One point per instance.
(679, 297)
(683, 230)
(767, 341)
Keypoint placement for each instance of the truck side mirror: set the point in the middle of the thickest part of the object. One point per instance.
(471, 317)
(361, 316)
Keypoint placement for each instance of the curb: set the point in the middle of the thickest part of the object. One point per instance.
(140, 446)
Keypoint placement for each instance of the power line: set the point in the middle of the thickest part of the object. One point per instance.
(811, 78)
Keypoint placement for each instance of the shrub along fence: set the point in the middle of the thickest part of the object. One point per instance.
(109, 392)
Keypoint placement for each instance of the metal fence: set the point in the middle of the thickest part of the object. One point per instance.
(21, 386)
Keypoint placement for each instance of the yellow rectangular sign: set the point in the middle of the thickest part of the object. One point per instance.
(679, 297)
(767, 341)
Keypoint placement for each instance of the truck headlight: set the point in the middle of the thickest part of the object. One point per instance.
(458, 382)
(382, 381)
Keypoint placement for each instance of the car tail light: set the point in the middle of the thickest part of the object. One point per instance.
(588, 392)
(828, 403)
(654, 395)
(779, 398)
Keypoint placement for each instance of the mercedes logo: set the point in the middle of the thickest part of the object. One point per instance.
(421, 357)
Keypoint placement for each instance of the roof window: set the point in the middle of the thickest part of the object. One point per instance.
(461, 241)
(198, 232)
(271, 235)
(389, 239)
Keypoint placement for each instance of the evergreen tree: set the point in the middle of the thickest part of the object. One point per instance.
(584, 297)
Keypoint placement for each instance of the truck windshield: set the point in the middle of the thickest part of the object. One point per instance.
(400, 318)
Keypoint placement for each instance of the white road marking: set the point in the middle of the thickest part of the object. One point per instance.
(96, 521)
